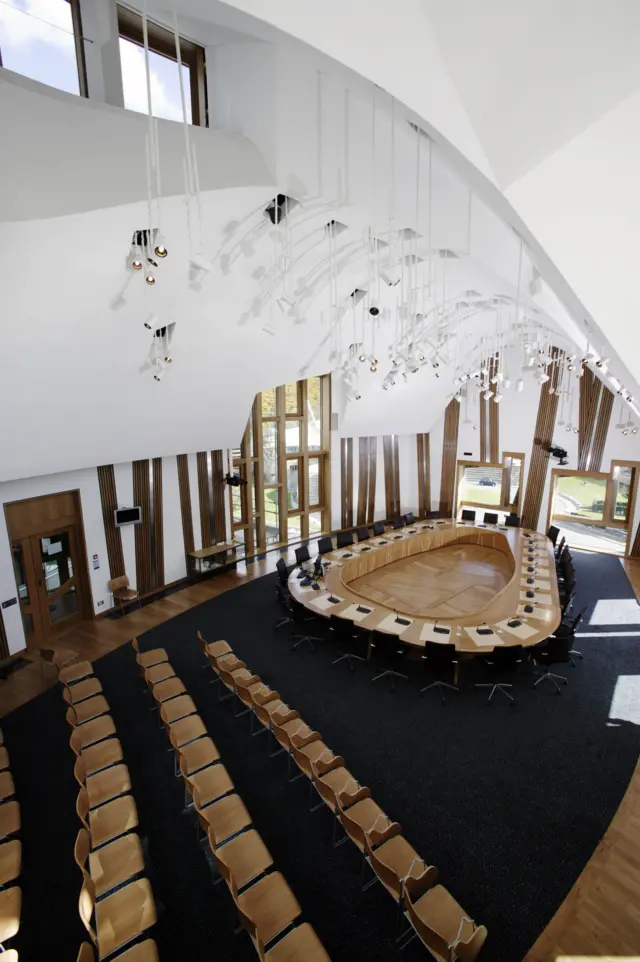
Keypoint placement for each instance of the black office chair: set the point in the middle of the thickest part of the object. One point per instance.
(353, 642)
(552, 534)
(409, 518)
(512, 520)
(468, 515)
(325, 545)
(490, 517)
(345, 539)
(439, 660)
(398, 523)
(362, 534)
(283, 571)
(284, 599)
(502, 662)
(552, 651)
(378, 528)
(568, 629)
(302, 554)
(301, 619)
(390, 650)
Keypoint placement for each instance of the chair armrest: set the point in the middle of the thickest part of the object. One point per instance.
(283, 716)
(417, 885)
(321, 767)
(357, 796)
(301, 741)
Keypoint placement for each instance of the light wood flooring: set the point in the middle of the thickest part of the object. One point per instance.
(456, 580)
(599, 921)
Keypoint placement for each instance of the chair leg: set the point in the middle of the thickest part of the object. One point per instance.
(439, 686)
(498, 686)
(349, 657)
(390, 675)
(554, 679)
(302, 638)
(573, 652)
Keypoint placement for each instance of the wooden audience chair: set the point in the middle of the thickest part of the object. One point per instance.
(4, 759)
(307, 749)
(243, 859)
(10, 908)
(113, 864)
(91, 732)
(147, 659)
(96, 757)
(122, 592)
(197, 755)
(358, 813)
(227, 664)
(145, 951)
(299, 733)
(261, 695)
(169, 688)
(439, 922)
(9, 819)
(266, 908)
(207, 785)
(392, 859)
(229, 670)
(300, 945)
(108, 822)
(69, 674)
(157, 673)
(81, 690)
(266, 705)
(223, 819)
(120, 917)
(10, 862)
(177, 708)
(104, 785)
(214, 649)
(7, 788)
(86, 711)
(329, 778)
(245, 689)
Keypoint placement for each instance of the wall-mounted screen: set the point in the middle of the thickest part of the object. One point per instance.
(127, 516)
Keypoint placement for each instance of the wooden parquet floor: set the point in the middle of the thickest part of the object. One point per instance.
(455, 580)
(599, 921)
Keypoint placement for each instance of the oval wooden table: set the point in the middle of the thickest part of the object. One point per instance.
(529, 556)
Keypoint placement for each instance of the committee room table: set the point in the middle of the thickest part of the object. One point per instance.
(529, 556)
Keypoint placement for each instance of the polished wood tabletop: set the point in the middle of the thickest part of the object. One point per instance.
(529, 557)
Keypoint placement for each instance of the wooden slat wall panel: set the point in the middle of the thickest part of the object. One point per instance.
(373, 457)
(494, 419)
(396, 478)
(545, 423)
(482, 416)
(601, 429)
(203, 497)
(364, 448)
(185, 503)
(391, 475)
(109, 501)
(449, 455)
(141, 496)
(635, 550)
(219, 488)
(158, 524)
(590, 389)
(346, 481)
(424, 475)
(4, 647)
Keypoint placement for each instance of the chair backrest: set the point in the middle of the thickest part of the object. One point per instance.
(136, 644)
(86, 953)
(507, 657)
(302, 554)
(344, 539)
(75, 740)
(575, 623)
(80, 771)
(363, 534)
(72, 718)
(553, 533)
(378, 528)
(325, 545)
(426, 931)
(86, 905)
(398, 523)
(81, 851)
(122, 581)
(490, 517)
(281, 568)
(352, 827)
(512, 520)
(468, 515)
(409, 518)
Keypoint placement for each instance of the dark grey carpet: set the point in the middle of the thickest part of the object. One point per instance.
(508, 803)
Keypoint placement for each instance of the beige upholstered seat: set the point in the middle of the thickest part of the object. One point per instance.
(91, 732)
(9, 819)
(10, 908)
(243, 858)
(120, 917)
(109, 821)
(10, 861)
(112, 864)
(441, 924)
(96, 757)
(146, 659)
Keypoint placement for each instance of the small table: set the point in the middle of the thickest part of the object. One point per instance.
(215, 558)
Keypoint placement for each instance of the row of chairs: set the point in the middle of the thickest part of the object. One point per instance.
(433, 914)
(116, 903)
(344, 539)
(267, 908)
(10, 857)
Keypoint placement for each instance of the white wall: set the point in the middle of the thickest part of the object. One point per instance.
(175, 562)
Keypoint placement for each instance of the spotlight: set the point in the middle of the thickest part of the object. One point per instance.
(384, 387)
(158, 375)
(634, 430)
(497, 397)
(568, 427)
(362, 358)
(570, 367)
(168, 360)
(487, 394)
(625, 431)
(136, 264)
(575, 430)
(152, 323)
(373, 368)
(457, 398)
(374, 311)
(150, 279)
(159, 247)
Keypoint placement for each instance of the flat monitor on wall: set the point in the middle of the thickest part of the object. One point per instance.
(127, 516)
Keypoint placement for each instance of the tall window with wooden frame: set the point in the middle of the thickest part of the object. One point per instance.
(46, 44)
(284, 457)
(497, 486)
(594, 509)
(166, 75)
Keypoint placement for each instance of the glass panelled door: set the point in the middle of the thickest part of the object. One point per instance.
(27, 593)
(56, 561)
